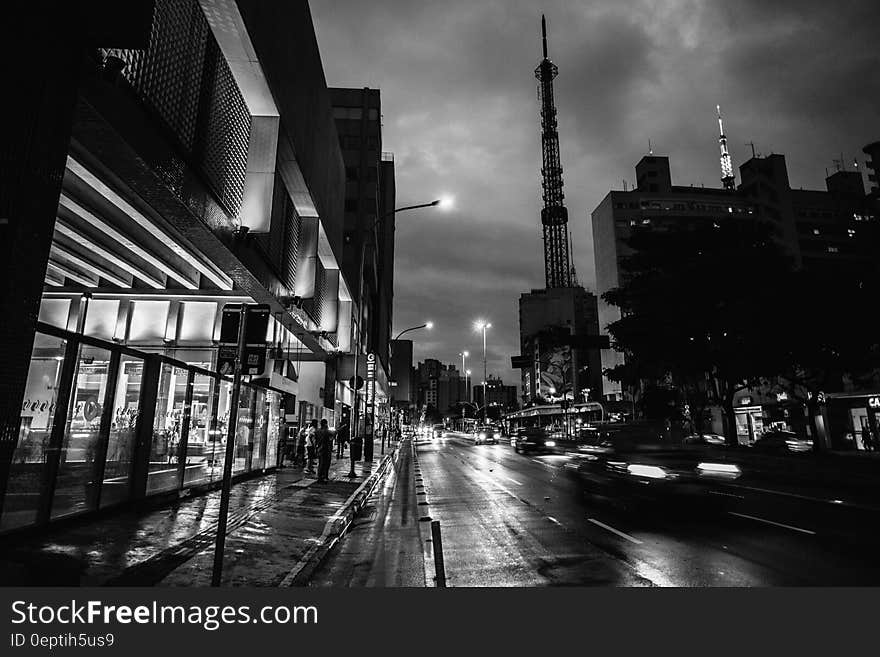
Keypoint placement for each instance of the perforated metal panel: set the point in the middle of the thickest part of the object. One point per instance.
(313, 306)
(183, 77)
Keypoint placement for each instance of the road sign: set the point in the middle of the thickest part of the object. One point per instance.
(360, 383)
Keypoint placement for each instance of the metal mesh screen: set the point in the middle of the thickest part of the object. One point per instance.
(313, 306)
(183, 77)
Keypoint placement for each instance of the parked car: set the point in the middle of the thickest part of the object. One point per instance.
(534, 440)
(783, 442)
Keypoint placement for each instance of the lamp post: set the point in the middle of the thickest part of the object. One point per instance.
(426, 325)
(464, 355)
(360, 329)
(484, 326)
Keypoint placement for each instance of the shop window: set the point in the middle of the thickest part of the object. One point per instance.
(148, 320)
(244, 430)
(197, 324)
(101, 317)
(123, 431)
(215, 452)
(55, 312)
(27, 470)
(167, 429)
(76, 488)
(261, 424)
(273, 427)
(203, 441)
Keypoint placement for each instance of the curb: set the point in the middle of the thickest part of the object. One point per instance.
(336, 526)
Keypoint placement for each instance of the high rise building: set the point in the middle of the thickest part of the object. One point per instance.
(821, 229)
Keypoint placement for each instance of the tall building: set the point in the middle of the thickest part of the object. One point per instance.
(497, 394)
(439, 385)
(554, 321)
(820, 229)
(173, 160)
(401, 374)
(368, 256)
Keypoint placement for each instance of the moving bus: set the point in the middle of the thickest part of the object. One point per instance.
(556, 420)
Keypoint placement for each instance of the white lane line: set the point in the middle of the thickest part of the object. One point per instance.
(546, 465)
(615, 531)
(554, 520)
(771, 522)
(512, 479)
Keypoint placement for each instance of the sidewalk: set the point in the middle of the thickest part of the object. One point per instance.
(273, 521)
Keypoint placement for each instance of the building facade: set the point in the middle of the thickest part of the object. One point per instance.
(818, 229)
(198, 168)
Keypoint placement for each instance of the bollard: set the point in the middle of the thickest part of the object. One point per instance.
(439, 568)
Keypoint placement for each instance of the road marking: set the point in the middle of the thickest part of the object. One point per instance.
(554, 520)
(715, 492)
(512, 479)
(771, 522)
(546, 465)
(615, 531)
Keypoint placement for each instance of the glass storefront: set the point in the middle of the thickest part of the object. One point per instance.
(28, 468)
(168, 428)
(123, 431)
(108, 390)
(79, 467)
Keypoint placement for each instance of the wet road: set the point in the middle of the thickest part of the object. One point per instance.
(514, 520)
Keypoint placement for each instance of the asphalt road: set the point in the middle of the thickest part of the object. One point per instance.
(515, 520)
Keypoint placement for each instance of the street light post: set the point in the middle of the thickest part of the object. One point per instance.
(426, 325)
(360, 329)
(464, 355)
(484, 326)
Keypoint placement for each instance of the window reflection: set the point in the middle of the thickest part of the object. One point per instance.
(168, 427)
(76, 487)
(27, 469)
(123, 428)
(201, 441)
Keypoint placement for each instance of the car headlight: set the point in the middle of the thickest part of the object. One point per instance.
(482, 436)
(647, 471)
(549, 443)
(496, 436)
(724, 469)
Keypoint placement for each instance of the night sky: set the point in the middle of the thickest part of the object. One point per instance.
(461, 115)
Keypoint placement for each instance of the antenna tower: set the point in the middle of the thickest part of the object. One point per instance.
(727, 176)
(554, 216)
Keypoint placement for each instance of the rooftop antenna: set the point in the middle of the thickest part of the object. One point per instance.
(754, 152)
(650, 148)
(727, 177)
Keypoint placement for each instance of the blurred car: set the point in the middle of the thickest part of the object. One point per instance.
(437, 431)
(636, 462)
(705, 439)
(534, 440)
(485, 435)
(783, 442)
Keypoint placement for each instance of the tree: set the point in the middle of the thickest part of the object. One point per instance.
(699, 306)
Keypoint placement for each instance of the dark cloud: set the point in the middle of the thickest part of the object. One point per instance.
(461, 114)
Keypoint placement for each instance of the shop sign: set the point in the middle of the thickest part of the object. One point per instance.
(371, 378)
(782, 396)
(874, 402)
(745, 401)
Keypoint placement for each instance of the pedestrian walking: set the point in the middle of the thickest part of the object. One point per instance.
(341, 439)
(283, 447)
(867, 438)
(324, 447)
(310, 446)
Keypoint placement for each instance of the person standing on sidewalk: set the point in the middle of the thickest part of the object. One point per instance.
(310, 446)
(341, 439)
(324, 445)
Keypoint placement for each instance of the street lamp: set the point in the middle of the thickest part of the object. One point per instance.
(360, 329)
(426, 325)
(482, 325)
(467, 383)
(464, 355)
